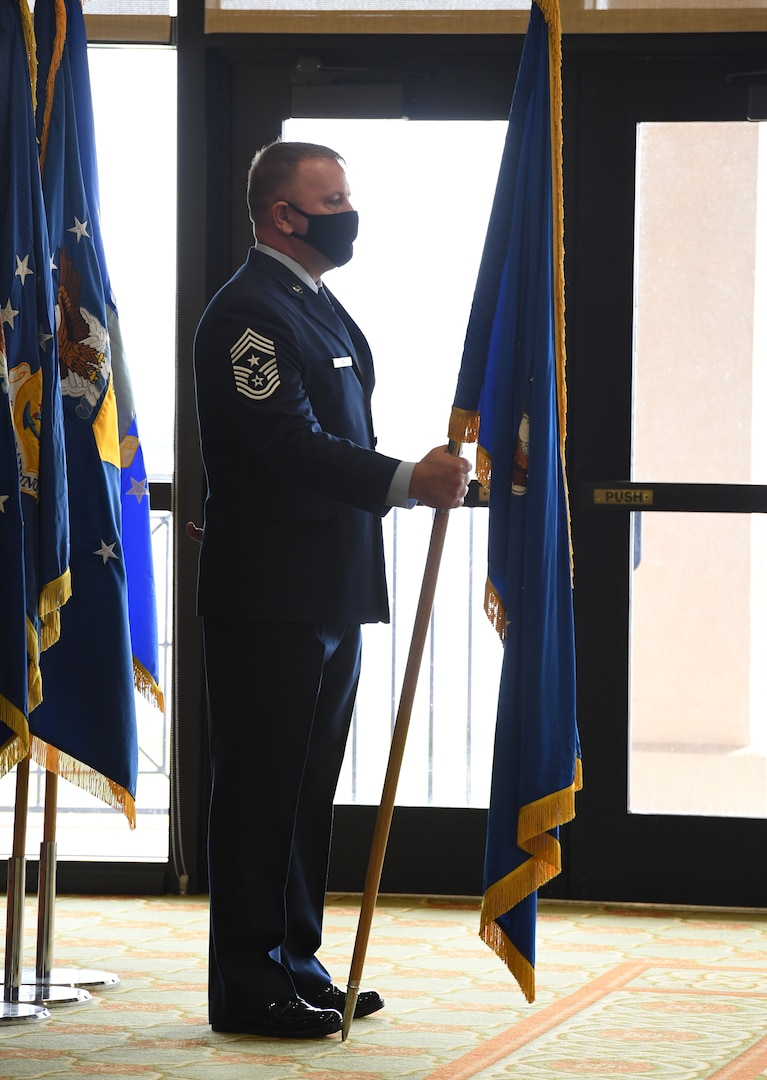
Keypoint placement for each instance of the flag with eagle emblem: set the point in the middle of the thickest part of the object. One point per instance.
(34, 552)
(85, 728)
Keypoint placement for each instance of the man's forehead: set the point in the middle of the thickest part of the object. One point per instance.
(324, 172)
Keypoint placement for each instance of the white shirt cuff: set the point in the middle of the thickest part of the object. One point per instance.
(398, 494)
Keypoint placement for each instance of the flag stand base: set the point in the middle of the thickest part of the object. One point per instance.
(15, 1008)
(25, 1002)
(46, 973)
(47, 995)
(86, 978)
(12, 1012)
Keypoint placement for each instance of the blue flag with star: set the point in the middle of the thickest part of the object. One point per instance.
(34, 551)
(510, 398)
(85, 728)
(134, 484)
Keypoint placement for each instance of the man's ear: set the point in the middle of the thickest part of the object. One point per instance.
(280, 215)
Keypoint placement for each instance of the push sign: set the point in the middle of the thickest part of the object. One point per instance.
(623, 496)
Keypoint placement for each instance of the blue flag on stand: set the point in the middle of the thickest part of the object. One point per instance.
(34, 536)
(134, 485)
(510, 398)
(85, 729)
(136, 524)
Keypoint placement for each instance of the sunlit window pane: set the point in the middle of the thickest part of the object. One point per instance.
(699, 589)
(423, 190)
(134, 103)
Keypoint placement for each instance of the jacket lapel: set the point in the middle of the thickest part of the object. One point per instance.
(331, 315)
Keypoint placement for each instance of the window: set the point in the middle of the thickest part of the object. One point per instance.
(134, 103)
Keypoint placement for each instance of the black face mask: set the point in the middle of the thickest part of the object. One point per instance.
(331, 234)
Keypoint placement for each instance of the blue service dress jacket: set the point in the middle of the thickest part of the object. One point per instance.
(296, 490)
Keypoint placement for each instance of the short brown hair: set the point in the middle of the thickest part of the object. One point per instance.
(272, 169)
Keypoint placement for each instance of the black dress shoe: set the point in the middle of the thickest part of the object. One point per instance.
(368, 1001)
(289, 1018)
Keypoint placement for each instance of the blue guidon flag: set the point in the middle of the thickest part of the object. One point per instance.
(34, 531)
(85, 728)
(510, 399)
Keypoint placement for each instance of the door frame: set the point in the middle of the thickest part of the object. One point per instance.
(235, 91)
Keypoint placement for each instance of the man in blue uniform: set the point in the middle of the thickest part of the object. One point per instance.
(291, 564)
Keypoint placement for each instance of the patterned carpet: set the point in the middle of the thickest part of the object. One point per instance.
(622, 993)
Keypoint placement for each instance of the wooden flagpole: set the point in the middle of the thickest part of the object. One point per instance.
(399, 738)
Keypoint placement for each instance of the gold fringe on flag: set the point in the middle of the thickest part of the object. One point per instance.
(58, 52)
(17, 747)
(550, 12)
(495, 609)
(30, 45)
(34, 677)
(53, 596)
(483, 466)
(533, 836)
(55, 761)
(146, 686)
(520, 968)
(463, 426)
(12, 753)
(50, 630)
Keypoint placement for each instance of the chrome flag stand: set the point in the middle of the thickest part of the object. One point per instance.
(27, 993)
(396, 752)
(13, 1008)
(45, 974)
(25, 1002)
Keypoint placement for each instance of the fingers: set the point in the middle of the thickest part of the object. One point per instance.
(441, 479)
(194, 532)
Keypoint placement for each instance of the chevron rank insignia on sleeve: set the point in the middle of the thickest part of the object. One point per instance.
(254, 365)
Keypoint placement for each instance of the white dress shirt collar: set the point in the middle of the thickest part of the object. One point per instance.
(286, 260)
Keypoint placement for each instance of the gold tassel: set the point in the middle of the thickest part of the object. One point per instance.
(146, 685)
(463, 426)
(84, 777)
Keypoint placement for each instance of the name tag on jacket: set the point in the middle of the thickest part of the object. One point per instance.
(342, 361)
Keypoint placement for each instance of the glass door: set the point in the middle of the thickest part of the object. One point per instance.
(698, 710)
(668, 430)
(626, 843)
